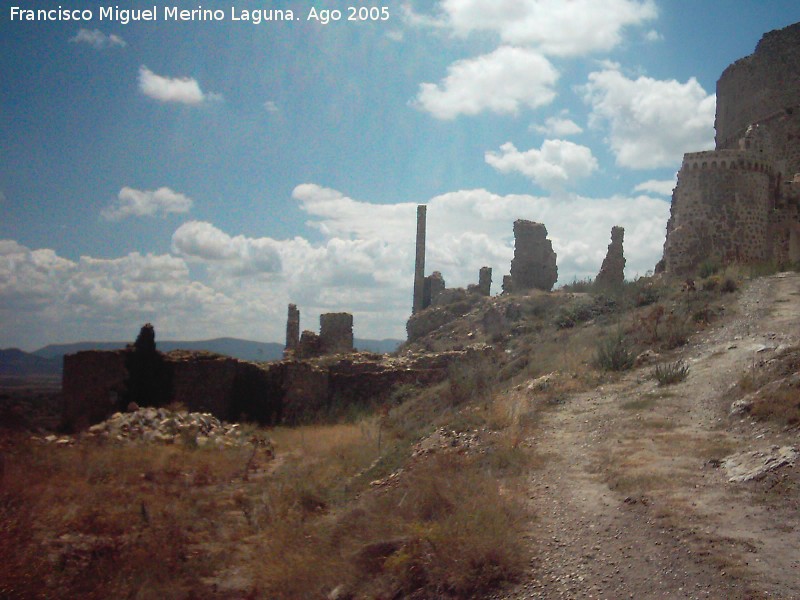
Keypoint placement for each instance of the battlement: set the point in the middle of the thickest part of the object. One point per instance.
(734, 160)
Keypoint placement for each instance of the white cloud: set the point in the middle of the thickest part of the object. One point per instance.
(555, 165)
(652, 123)
(271, 106)
(500, 82)
(661, 187)
(97, 39)
(183, 90)
(45, 298)
(241, 255)
(558, 126)
(146, 203)
(395, 35)
(556, 27)
(363, 264)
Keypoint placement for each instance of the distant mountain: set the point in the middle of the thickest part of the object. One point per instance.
(14, 361)
(242, 349)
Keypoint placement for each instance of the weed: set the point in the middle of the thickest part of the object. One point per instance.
(470, 379)
(707, 268)
(669, 373)
(614, 353)
(580, 286)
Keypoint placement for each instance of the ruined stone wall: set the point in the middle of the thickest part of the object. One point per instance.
(93, 383)
(758, 152)
(759, 86)
(534, 262)
(485, 281)
(292, 328)
(612, 271)
(434, 285)
(336, 332)
(720, 210)
(288, 391)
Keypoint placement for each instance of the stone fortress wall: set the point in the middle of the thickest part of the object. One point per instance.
(739, 203)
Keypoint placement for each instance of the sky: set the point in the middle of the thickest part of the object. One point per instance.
(200, 174)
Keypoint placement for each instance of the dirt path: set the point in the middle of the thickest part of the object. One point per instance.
(630, 503)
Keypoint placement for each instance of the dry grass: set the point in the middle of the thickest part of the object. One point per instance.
(781, 405)
(100, 520)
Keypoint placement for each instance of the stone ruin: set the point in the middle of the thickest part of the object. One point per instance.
(484, 287)
(292, 329)
(741, 201)
(434, 285)
(96, 384)
(534, 262)
(335, 335)
(612, 271)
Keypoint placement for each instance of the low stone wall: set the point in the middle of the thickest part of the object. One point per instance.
(95, 384)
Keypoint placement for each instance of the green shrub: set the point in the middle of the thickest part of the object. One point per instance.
(614, 353)
(580, 286)
(707, 268)
(669, 373)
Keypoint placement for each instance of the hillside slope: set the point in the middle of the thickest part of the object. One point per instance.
(636, 498)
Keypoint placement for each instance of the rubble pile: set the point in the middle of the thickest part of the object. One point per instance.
(163, 425)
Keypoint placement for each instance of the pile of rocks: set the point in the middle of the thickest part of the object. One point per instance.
(166, 426)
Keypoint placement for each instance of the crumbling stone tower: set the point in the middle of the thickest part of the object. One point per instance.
(612, 271)
(739, 202)
(292, 328)
(534, 262)
(419, 264)
(336, 333)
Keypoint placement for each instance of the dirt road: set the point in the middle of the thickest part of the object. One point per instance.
(632, 503)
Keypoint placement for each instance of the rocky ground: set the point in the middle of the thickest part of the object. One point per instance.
(658, 492)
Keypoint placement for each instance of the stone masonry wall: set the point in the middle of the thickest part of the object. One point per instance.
(534, 262)
(758, 86)
(336, 332)
(612, 271)
(93, 383)
(292, 328)
(720, 211)
(285, 391)
(736, 203)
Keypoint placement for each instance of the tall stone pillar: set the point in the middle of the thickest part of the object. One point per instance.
(419, 265)
(292, 328)
(485, 281)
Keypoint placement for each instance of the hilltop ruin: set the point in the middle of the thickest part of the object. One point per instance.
(739, 202)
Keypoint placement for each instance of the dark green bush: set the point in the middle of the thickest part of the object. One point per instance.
(614, 353)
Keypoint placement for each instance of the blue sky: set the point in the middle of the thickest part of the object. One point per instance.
(201, 175)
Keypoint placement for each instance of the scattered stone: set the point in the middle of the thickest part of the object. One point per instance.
(645, 358)
(160, 425)
(541, 383)
(754, 465)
